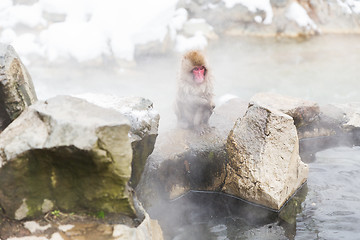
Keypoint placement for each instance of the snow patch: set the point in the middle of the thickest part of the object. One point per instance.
(254, 6)
(198, 41)
(33, 226)
(66, 227)
(91, 28)
(30, 16)
(298, 14)
(225, 98)
(127, 106)
(350, 6)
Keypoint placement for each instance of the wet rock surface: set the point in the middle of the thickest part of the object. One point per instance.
(16, 88)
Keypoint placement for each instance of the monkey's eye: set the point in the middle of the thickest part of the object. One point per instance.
(198, 68)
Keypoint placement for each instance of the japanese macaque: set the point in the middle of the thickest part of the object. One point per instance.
(194, 104)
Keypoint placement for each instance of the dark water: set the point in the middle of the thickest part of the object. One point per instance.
(327, 207)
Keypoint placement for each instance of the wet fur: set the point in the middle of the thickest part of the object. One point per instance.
(194, 104)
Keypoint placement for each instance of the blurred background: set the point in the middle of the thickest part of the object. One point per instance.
(305, 48)
(301, 48)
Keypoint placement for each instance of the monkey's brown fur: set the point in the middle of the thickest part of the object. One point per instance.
(194, 102)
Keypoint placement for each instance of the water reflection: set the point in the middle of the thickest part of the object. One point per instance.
(327, 207)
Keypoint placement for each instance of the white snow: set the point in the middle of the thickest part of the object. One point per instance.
(30, 16)
(92, 28)
(33, 226)
(297, 13)
(125, 105)
(225, 98)
(198, 41)
(27, 238)
(350, 6)
(344, 6)
(177, 21)
(253, 6)
(66, 227)
(74, 38)
(258, 19)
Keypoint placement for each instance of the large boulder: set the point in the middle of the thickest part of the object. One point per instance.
(183, 160)
(144, 121)
(16, 87)
(68, 154)
(264, 165)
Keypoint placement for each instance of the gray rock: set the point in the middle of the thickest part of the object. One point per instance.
(302, 111)
(69, 152)
(264, 165)
(144, 121)
(183, 160)
(16, 87)
(351, 115)
(148, 229)
(240, 19)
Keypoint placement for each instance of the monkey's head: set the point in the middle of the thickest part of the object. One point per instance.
(194, 63)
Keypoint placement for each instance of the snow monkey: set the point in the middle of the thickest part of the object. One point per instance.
(194, 104)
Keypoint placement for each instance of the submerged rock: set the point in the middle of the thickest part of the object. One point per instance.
(264, 165)
(66, 154)
(16, 87)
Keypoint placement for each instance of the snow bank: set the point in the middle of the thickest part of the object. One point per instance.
(349, 6)
(298, 14)
(91, 29)
(198, 41)
(253, 6)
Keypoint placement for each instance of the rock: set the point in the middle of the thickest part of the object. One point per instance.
(276, 18)
(144, 122)
(148, 229)
(69, 153)
(336, 125)
(302, 111)
(16, 87)
(73, 226)
(183, 160)
(264, 165)
(351, 115)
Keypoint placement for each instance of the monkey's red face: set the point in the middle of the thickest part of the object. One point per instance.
(199, 74)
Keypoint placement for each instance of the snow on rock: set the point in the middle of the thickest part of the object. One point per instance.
(33, 226)
(298, 14)
(91, 28)
(253, 6)
(76, 39)
(177, 21)
(198, 41)
(131, 107)
(349, 6)
(30, 16)
(225, 98)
